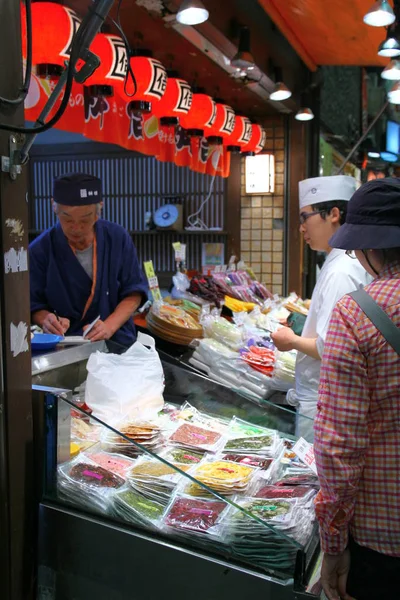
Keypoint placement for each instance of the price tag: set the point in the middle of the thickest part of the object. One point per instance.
(305, 452)
(153, 282)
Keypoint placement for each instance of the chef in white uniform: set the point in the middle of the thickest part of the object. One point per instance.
(323, 207)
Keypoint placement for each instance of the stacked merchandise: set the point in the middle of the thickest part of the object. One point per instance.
(85, 483)
(148, 435)
(242, 355)
(225, 477)
(261, 513)
(133, 507)
(196, 520)
(229, 286)
(173, 324)
(155, 479)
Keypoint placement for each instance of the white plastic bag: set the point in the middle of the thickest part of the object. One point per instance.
(128, 384)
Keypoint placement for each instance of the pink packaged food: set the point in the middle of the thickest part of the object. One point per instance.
(116, 464)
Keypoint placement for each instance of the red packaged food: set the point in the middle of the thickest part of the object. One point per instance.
(193, 514)
(274, 491)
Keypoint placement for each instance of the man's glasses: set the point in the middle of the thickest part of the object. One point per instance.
(306, 215)
(351, 253)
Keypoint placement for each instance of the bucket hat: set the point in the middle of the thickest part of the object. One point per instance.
(373, 217)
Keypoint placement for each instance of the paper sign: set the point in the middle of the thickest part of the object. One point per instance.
(305, 452)
(212, 255)
(152, 280)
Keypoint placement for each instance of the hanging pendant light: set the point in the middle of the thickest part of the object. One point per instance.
(281, 92)
(223, 126)
(175, 102)
(390, 47)
(304, 114)
(243, 59)
(149, 84)
(192, 12)
(109, 77)
(257, 141)
(200, 117)
(392, 71)
(240, 136)
(380, 14)
(394, 94)
(54, 27)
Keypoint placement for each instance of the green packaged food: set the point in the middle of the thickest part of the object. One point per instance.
(249, 443)
(143, 506)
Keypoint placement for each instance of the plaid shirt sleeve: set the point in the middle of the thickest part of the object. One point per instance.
(341, 432)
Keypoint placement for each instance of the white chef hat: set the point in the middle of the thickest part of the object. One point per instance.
(326, 189)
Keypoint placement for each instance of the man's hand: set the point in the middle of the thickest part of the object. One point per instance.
(51, 324)
(284, 339)
(101, 331)
(334, 573)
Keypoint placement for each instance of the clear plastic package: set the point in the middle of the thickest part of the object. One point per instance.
(133, 507)
(197, 438)
(84, 483)
(195, 515)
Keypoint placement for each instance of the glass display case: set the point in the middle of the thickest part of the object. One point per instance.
(205, 498)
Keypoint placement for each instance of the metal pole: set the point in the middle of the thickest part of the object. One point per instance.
(362, 138)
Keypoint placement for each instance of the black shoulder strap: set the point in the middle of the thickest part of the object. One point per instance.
(379, 318)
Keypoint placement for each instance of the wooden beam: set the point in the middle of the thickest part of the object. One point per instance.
(271, 9)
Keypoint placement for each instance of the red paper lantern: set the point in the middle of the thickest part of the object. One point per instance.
(240, 136)
(223, 126)
(175, 103)
(200, 117)
(53, 29)
(149, 85)
(257, 141)
(110, 75)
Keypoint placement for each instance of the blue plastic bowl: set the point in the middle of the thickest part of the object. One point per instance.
(45, 341)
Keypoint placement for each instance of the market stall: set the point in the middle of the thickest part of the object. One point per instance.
(206, 492)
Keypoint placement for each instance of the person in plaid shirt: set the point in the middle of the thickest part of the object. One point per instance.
(357, 427)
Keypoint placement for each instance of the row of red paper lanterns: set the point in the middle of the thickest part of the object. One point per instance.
(168, 97)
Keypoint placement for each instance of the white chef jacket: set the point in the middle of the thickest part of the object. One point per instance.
(339, 275)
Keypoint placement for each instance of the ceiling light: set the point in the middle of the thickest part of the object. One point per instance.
(389, 156)
(280, 92)
(304, 114)
(390, 47)
(192, 12)
(374, 154)
(243, 58)
(380, 14)
(392, 71)
(394, 94)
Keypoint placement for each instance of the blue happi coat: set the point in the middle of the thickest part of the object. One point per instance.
(60, 283)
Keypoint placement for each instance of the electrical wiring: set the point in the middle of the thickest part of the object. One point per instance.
(129, 72)
(28, 69)
(78, 44)
(194, 220)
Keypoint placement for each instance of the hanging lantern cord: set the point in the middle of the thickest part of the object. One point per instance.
(28, 67)
(90, 25)
(129, 72)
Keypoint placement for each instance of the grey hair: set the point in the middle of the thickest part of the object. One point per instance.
(98, 208)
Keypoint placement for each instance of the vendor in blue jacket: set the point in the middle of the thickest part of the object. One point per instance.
(85, 267)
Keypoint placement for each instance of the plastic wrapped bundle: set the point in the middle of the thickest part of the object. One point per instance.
(86, 484)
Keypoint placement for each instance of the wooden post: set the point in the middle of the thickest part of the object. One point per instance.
(297, 170)
(232, 207)
(17, 508)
